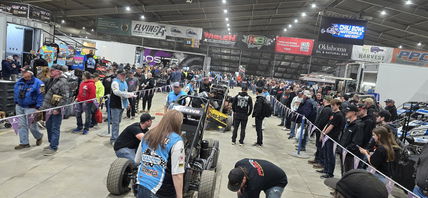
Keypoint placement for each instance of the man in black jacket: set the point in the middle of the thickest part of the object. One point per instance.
(369, 123)
(205, 86)
(242, 107)
(259, 115)
(421, 188)
(390, 106)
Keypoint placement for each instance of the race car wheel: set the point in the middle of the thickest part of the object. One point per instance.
(118, 178)
(207, 184)
(211, 145)
(229, 123)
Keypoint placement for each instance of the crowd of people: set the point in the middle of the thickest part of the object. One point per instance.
(360, 125)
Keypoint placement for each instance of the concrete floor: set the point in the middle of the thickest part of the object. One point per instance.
(80, 167)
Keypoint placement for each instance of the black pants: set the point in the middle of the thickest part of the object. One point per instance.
(236, 123)
(131, 111)
(137, 102)
(147, 98)
(319, 156)
(259, 122)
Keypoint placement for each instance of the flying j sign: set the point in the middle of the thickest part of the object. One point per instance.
(148, 30)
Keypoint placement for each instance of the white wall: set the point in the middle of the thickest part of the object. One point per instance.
(402, 83)
(112, 51)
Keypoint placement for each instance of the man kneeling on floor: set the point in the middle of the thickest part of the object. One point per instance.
(127, 143)
(251, 176)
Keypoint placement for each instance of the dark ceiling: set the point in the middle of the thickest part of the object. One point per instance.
(403, 24)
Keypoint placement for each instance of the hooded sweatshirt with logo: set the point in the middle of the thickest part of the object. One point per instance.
(87, 91)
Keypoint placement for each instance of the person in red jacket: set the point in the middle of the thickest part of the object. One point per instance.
(87, 91)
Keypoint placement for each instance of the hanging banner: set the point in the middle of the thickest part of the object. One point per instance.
(48, 53)
(62, 55)
(340, 30)
(333, 50)
(78, 61)
(184, 32)
(148, 30)
(153, 57)
(291, 45)
(118, 26)
(227, 39)
(371, 53)
(40, 14)
(16, 9)
(410, 57)
(256, 42)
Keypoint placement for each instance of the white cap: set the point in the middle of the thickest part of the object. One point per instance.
(307, 93)
(9, 57)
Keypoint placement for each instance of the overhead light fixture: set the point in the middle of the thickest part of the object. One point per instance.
(289, 26)
(228, 29)
(63, 21)
(409, 2)
(86, 37)
(285, 29)
(225, 11)
(227, 19)
(313, 5)
(383, 12)
(83, 28)
(92, 30)
(127, 8)
(419, 44)
(303, 14)
(142, 17)
(400, 46)
(296, 21)
(228, 25)
(229, 33)
(224, 1)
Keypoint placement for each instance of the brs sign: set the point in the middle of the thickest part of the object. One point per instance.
(410, 57)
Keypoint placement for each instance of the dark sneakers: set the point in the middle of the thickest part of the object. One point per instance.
(39, 141)
(22, 146)
(326, 176)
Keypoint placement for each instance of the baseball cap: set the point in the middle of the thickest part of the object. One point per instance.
(389, 101)
(358, 183)
(121, 72)
(361, 106)
(56, 67)
(146, 117)
(9, 57)
(235, 179)
(176, 84)
(351, 108)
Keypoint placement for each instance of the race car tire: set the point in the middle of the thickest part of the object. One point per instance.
(118, 179)
(211, 145)
(207, 184)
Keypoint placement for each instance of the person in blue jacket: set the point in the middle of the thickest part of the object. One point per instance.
(28, 97)
(174, 95)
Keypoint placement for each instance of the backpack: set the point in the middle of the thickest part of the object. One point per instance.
(267, 109)
(402, 169)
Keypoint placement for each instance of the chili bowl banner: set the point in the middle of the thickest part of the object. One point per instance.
(148, 30)
(371, 53)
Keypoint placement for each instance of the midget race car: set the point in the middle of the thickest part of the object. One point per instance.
(200, 163)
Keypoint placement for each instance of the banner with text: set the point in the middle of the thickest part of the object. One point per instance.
(291, 45)
(225, 39)
(184, 32)
(153, 57)
(371, 53)
(148, 30)
(333, 50)
(116, 26)
(257, 42)
(410, 57)
(17, 9)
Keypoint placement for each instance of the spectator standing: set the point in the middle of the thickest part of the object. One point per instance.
(294, 106)
(190, 87)
(308, 109)
(133, 85)
(57, 94)
(87, 91)
(390, 106)
(118, 102)
(333, 130)
(28, 97)
(369, 123)
(370, 106)
(259, 114)
(99, 95)
(242, 107)
(421, 188)
(141, 78)
(205, 86)
(148, 84)
(174, 95)
(7, 68)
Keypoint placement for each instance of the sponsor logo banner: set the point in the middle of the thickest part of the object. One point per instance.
(410, 57)
(148, 30)
(116, 26)
(184, 32)
(154, 57)
(257, 41)
(294, 45)
(371, 53)
(339, 30)
(16, 9)
(40, 14)
(333, 50)
(227, 39)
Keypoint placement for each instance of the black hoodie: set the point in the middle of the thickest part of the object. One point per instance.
(242, 105)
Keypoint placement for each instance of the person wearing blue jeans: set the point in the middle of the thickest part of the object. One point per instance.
(53, 126)
(419, 192)
(251, 176)
(118, 102)
(28, 97)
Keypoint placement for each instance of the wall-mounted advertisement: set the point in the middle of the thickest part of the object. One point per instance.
(148, 30)
(333, 50)
(225, 39)
(339, 30)
(116, 26)
(184, 32)
(257, 42)
(17, 9)
(291, 45)
(410, 57)
(40, 14)
(371, 53)
(154, 57)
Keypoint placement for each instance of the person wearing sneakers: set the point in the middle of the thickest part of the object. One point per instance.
(242, 107)
(28, 96)
(57, 94)
(251, 176)
(87, 91)
(127, 143)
